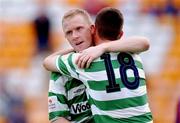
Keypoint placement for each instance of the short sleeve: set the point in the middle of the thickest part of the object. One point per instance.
(66, 65)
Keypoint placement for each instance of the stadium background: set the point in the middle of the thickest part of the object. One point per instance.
(24, 82)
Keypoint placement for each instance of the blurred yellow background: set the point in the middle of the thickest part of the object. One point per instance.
(24, 82)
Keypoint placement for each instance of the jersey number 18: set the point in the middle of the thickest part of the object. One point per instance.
(126, 62)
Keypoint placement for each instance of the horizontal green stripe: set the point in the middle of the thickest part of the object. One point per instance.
(138, 64)
(119, 103)
(99, 66)
(57, 114)
(101, 85)
(62, 66)
(55, 75)
(61, 98)
(72, 83)
(136, 119)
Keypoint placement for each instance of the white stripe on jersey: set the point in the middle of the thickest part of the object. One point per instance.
(124, 93)
(55, 105)
(76, 91)
(58, 85)
(137, 57)
(122, 113)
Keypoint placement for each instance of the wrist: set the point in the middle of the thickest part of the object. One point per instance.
(104, 47)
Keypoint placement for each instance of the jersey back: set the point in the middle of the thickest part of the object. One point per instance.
(116, 86)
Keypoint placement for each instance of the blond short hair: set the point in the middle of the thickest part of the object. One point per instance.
(77, 11)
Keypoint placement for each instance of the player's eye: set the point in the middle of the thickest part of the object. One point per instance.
(68, 33)
(79, 28)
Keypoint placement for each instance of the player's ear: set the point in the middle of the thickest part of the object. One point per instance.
(93, 29)
(120, 34)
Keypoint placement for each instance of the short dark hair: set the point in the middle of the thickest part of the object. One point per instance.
(109, 23)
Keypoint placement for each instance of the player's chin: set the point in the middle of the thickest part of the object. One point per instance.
(82, 46)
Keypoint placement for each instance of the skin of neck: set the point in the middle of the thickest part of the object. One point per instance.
(98, 40)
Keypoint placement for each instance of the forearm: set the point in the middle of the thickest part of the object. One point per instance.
(131, 44)
(61, 120)
(62, 52)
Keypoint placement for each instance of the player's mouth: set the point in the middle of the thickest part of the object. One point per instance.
(79, 43)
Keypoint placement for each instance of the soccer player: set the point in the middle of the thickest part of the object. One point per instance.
(67, 100)
(75, 25)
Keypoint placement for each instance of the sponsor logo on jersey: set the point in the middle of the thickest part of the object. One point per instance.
(52, 102)
(80, 107)
(76, 91)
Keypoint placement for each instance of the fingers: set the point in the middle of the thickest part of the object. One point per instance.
(82, 60)
(89, 62)
(77, 60)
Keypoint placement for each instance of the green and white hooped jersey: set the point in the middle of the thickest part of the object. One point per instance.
(67, 98)
(115, 84)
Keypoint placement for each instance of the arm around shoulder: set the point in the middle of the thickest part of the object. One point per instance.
(143, 43)
(133, 44)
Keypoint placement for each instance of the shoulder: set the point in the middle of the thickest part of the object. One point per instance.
(69, 59)
(69, 56)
